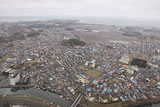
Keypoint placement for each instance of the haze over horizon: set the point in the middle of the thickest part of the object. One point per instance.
(124, 9)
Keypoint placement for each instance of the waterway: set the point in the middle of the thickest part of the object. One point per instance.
(40, 93)
(47, 95)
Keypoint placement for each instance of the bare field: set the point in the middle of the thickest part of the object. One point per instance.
(103, 36)
(93, 73)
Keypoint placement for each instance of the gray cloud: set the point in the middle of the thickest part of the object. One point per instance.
(132, 9)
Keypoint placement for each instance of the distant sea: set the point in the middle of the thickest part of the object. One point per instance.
(89, 20)
(120, 22)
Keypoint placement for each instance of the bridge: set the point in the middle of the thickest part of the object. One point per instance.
(78, 99)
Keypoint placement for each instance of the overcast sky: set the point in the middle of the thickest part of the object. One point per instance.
(130, 9)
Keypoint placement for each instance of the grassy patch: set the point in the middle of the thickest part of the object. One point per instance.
(81, 67)
(30, 63)
(3, 58)
(114, 80)
(153, 82)
(96, 104)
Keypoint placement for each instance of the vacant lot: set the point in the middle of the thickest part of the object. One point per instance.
(93, 73)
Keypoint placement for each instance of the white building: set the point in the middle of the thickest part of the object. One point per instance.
(125, 59)
(14, 79)
(130, 71)
(134, 68)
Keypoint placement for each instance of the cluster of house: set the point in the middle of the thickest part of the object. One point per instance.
(48, 65)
